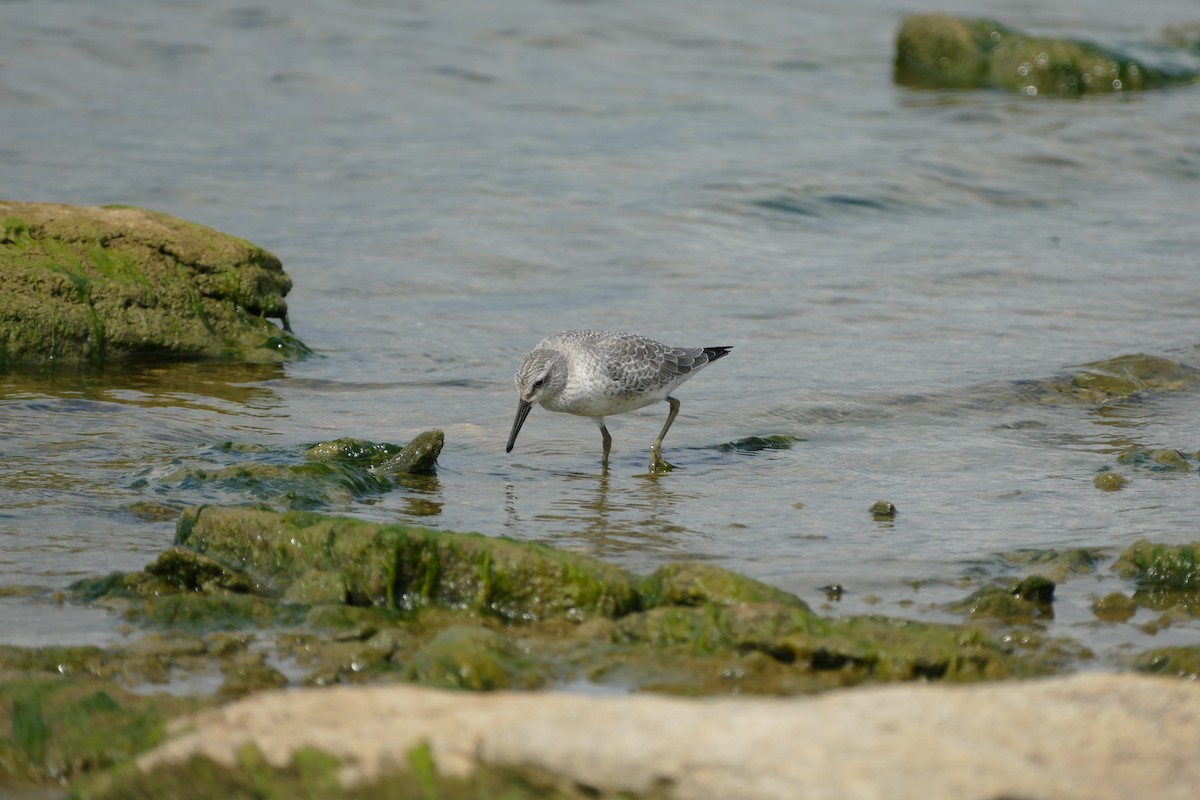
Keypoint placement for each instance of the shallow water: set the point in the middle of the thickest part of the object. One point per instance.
(447, 183)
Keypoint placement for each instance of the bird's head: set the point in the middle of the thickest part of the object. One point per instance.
(542, 376)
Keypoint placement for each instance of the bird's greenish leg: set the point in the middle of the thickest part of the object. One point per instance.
(604, 436)
(657, 462)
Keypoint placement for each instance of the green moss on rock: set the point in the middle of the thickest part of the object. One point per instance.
(314, 774)
(942, 51)
(93, 285)
(696, 583)
(1114, 607)
(1180, 662)
(1161, 566)
(1021, 601)
(54, 729)
(1129, 375)
(469, 657)
(753, 444)
(409, 567)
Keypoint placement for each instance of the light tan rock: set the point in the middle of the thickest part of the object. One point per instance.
(1092, 736)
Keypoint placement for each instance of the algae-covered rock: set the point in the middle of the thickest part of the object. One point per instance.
(463, 657)
(1110, 481)
(849, 650)
(353, 451)
(331, 473)
(1161, 566)
(1180, 662)
(190, 571)
(695, 583)
(882, 511)
(305, 486)
(82, 284)
(1058, 565)
(248, 673)
(943, 51)
(418, 456)
(1114, 607)
(53, 729)
(1036, 589)
(1021, 601)
(408, 567)
(1159, 460)
(1125, 376)
(753, 444)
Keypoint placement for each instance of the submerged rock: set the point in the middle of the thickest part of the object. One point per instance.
(93, 285)
(753, 444)
(941, 51)
(335, 472)
(1124, 376)
(1110, 481)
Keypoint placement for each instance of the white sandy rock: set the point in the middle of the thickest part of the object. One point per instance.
(1091, 736)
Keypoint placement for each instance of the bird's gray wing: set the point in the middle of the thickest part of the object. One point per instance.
(637, 364)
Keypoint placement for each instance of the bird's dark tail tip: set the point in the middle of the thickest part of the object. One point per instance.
(713, 353)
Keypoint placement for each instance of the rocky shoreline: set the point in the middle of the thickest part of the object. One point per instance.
(276, 650)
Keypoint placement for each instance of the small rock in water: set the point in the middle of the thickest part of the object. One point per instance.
(419, 455)
(883, 510)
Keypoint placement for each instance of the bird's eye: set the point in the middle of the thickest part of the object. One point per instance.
(538, 383)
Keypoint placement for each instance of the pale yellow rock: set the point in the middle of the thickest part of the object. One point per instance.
(1092, 736)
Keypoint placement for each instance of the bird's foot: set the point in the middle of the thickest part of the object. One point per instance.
(658, 464)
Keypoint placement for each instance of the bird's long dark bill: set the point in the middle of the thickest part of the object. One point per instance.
(522, 412)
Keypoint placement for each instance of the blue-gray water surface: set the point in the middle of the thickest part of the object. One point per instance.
(449, 182)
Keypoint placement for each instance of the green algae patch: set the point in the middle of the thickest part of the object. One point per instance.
(314, 774)
(408, 567)
(697, 583)
(98, 285)
(941, 51)
(53, 729)
(1110, 481)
